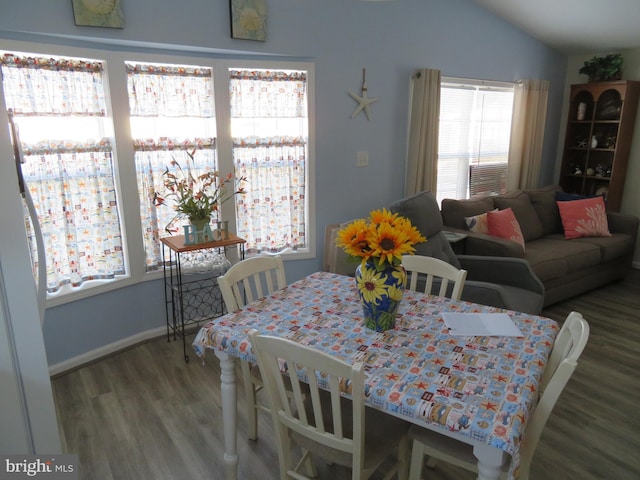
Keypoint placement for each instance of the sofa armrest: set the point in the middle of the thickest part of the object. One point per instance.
(623, 223)
(486, 245)
(503, 296)
(507, 271)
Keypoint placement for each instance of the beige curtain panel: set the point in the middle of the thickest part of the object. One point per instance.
(421, 171)
(527, 133)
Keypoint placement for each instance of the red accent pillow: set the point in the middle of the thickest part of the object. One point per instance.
(584, 218)
(503, 224)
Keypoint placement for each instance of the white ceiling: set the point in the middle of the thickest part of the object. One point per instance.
(574, 27)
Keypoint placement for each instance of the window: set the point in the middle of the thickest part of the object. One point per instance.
(269, 126)
(60, 109)
(172, 112)
(98, 129)
(475, 130)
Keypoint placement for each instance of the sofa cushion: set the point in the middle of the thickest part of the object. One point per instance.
(545, 262)
(455, 211)
(503, 224)
(611, 248)
(523, 209)
(584, 218)
(571, 256)
(544, 202)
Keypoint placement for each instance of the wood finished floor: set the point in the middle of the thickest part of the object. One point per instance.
(146, 414)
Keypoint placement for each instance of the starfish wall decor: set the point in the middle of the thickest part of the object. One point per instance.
(363, 101)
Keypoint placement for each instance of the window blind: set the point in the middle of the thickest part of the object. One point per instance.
(475, 126)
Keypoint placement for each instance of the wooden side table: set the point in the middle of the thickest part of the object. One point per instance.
(196, 299)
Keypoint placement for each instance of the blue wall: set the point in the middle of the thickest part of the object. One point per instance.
(389, 39)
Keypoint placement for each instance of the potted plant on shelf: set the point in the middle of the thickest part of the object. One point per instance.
(196, 197)
(600, 69)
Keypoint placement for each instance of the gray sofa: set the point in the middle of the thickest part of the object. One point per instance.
(565, 267)
(501, 282)
(496, 281)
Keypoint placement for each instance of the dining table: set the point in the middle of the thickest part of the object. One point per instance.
(480, 390)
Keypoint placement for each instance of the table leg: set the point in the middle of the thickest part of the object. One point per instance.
(490, 460)
(229, 413)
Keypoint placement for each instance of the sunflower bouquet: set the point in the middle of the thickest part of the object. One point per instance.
(381, 240)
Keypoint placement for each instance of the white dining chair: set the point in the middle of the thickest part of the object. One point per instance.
(245, 282)
(339, 430)
(435, 272)
(567, 348)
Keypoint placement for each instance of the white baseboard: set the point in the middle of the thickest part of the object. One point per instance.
(105, 350)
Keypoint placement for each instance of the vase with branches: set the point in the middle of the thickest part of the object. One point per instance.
(195, 196)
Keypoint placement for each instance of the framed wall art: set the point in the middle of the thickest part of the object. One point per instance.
(248, 19)
(98, 13)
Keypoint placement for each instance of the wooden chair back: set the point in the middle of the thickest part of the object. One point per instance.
(563, 360)
(245, 282)
(251, 279)
(321, 417)
(435, 272)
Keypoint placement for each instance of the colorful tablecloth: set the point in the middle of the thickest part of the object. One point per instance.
(482, 387)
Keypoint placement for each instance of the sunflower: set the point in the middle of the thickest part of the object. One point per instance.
(393, 291)
(353, 238)
(371, 286)
(379, 217)
(412, 233)
(388, 244)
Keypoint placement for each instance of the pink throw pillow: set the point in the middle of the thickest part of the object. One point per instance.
(503, 224)
(584, 218)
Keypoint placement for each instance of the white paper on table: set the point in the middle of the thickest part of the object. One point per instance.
(481, 324)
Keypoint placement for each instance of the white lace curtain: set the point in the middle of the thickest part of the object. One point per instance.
(71, 183)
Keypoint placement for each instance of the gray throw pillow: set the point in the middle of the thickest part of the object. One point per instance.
(523, 209)
(544, 201)
(454, 212)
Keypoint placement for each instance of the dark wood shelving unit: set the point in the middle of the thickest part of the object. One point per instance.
(598, 139)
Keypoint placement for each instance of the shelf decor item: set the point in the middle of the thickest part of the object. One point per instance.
(602, 69)
(582, 110)
(379, 243)
(195, 196)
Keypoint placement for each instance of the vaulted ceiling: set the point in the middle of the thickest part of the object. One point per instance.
(574, 27)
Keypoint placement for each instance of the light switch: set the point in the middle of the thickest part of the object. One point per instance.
(362, 159)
